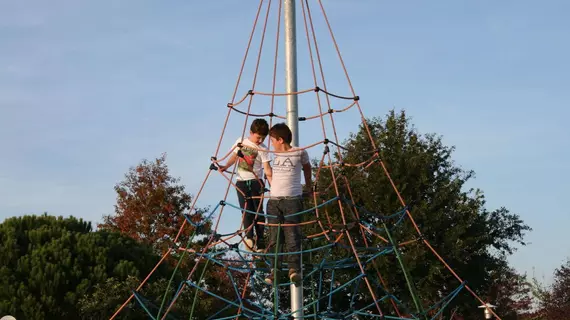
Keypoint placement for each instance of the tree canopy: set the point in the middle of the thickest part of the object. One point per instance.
(49, 263)
(472, 239)
(151, 205)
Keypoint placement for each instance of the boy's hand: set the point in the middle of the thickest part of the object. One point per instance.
(307, 194)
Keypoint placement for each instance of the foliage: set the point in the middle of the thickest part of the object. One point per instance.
(554, 300)
(473, 240)
(48, 264)
(151, 205)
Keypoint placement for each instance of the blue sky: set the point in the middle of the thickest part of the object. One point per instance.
(88, 89)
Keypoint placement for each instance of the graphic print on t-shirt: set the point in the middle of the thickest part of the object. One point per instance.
(283, 163)
(249, 155)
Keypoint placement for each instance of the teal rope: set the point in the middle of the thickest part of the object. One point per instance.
(174, 273)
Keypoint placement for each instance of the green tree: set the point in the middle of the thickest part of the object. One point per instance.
(48, 264)
(473, 240)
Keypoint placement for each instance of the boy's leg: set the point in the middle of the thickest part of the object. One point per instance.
(247, 217)
(293, 233)
(275, 244)
(257, 188)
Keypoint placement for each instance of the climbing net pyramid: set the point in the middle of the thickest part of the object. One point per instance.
(344, 241)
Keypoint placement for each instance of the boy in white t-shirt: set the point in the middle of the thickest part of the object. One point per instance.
(287, 197)
(252, 162)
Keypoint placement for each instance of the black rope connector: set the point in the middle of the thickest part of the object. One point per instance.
(356, 98)
(213, 158)
(230, 105)
(234, 246)
(327, 150)
(326, 141)
(222, 203)
(271, 114)
(213, 167)
(317, 89)
(302, 118)
(250, 92)
(215, 236)
(330, 111)
(240, 154)
(239, 145)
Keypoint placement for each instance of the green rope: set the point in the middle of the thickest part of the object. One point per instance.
(313, 286)
(419, 307)
(197, 286)
(275, 274)
(174, 273)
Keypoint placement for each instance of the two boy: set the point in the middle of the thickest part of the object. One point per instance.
(286, 190)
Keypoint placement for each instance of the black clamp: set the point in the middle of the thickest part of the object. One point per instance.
(215, 236)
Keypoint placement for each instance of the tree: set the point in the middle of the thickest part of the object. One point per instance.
(151, 209)
(510, 292)
(554, 300)
(49, 264)
(151, 205)
(473, 240)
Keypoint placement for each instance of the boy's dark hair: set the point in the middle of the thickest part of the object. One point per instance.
(260, 127)
(281, 130)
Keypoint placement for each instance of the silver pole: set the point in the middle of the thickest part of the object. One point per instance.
(292, 118)
(291, 69)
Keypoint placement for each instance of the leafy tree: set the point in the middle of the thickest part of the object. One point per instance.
(453, 219)
(48, 264)
(510, 292)
(151, 205)
(554, 300)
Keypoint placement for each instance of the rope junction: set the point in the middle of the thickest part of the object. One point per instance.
(340, 254)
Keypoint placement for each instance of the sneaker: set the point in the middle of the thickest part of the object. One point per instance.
(295, 275)
(248, 244)
(269, 278)
(260, 247)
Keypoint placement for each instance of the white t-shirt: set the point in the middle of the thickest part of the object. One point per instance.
(287, 168)
(252, 160)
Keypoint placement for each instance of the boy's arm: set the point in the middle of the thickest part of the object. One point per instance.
(308, 176)
(230, 163)
(268, 171)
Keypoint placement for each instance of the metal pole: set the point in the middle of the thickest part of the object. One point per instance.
(291, 69)
(292, 118)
